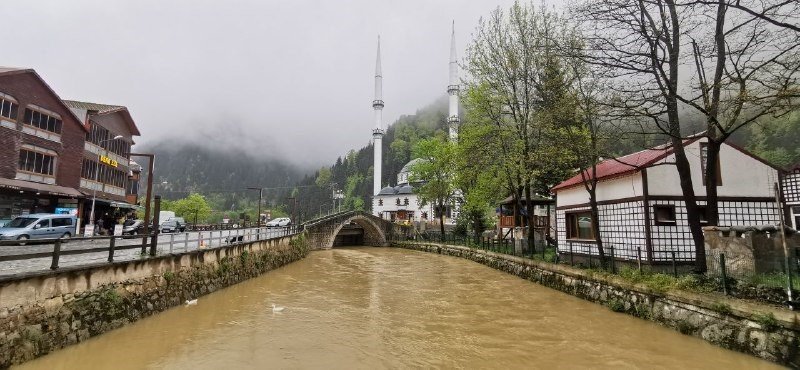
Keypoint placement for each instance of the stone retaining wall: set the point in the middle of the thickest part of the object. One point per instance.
(40, 313)
(734, 324)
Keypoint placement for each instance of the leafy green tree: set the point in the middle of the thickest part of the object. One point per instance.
(436, 173)
(193, 207)
(323, 177)
(516, 77)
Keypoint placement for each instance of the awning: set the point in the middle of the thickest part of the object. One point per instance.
(126, 205)
(46, 189)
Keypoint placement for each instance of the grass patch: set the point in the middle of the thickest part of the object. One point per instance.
(771, 280)
(661, 282)
(722, 308)
(767, 321)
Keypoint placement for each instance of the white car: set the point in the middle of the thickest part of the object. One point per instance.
(280, 222)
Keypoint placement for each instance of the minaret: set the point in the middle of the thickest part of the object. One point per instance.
(377, 132)
(452, 89)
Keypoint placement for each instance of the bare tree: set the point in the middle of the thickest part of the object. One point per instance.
(733, 61)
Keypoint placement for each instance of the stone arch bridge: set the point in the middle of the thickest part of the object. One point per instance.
(348, 228)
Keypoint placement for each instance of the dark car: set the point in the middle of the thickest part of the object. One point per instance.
(181, 223)
(170, 226)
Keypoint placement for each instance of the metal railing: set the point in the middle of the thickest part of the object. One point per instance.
(107, 249)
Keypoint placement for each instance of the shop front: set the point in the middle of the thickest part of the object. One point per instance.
(107, 213)
(19, 198)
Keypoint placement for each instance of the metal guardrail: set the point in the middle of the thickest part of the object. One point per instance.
(150, 245)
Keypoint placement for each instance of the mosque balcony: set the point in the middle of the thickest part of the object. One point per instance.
(377, 103)
(377, 131)
(453, 119)
(452, 89)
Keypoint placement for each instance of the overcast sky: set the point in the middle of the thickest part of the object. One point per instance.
(289, 77)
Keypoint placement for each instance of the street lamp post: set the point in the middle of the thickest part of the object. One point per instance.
(96, 176)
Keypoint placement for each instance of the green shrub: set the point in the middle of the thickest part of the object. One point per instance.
(169, 276)
(616, 305)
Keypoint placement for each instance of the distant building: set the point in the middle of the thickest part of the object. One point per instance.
(110, 156)
(41, 147)
(791, 196)
(641, 203)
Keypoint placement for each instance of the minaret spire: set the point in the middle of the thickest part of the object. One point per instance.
(377, 132)
(452, 89)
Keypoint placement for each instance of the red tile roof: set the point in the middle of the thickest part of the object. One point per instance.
(622, 165)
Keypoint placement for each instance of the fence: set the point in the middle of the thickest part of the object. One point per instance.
(35, 254)
(722, 276)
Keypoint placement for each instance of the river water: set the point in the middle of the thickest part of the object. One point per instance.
(391, 308)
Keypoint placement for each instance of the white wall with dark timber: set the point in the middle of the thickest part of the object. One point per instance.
(623, 187)
(742, 175)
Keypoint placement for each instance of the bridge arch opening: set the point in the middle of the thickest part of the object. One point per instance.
(358, 230)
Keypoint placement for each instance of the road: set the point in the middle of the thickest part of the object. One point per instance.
(167, 243)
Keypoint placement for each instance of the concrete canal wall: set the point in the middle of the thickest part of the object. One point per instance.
(734, 324)
(43, 312)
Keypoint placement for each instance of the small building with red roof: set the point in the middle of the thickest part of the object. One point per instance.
(641, 208)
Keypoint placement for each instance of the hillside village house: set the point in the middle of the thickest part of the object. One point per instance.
(41, 146)
(641, 206)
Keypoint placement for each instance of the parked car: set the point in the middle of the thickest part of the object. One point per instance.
(181, 223)
(39, 226)
(132, 227)
(280, 222)
(170, 226)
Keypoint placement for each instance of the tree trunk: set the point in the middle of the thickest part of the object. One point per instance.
(690, 200)
(529, 210)
(601, 253)
(712, 171)
(441, 221)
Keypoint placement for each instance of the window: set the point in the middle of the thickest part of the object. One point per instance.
(405, 201)
(703, 161)
(703, 211)
(42, 224)
(58, 222)
(99, 135)
(42, 121)
(398, 201)
(664, 214)
(380, 202)
(8, 107)
(579, 225)
(37, 162)
(108, 175)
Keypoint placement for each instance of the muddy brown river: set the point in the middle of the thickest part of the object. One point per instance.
(375, 308)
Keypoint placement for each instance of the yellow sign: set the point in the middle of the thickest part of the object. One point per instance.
(108, 161)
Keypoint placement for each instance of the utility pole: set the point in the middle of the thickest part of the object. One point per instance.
(260, 197)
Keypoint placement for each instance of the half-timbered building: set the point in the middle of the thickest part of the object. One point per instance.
(642, 214)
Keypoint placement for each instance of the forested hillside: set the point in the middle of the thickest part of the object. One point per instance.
(221, 176)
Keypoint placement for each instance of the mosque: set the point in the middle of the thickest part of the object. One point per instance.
(400, 203)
